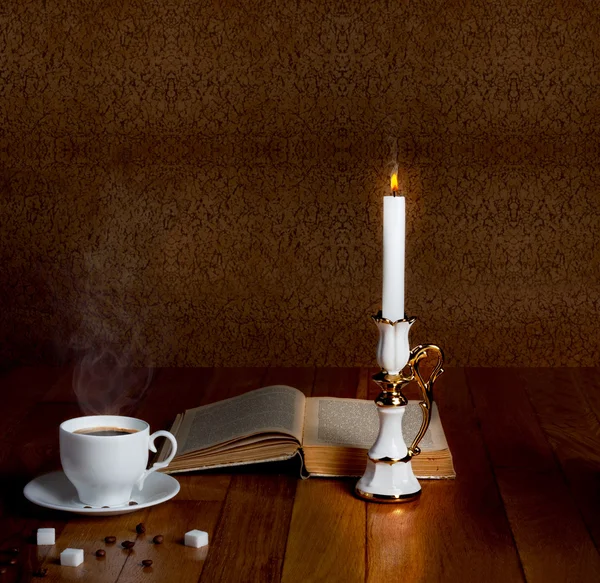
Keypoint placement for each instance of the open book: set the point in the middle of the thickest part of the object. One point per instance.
(276, 423)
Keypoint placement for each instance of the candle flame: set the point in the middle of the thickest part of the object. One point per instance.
(394, 182)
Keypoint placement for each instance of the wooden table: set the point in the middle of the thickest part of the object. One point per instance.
(525, 504)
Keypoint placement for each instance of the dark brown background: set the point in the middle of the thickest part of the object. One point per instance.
(203, 182)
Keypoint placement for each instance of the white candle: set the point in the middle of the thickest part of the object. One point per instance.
(394, 230)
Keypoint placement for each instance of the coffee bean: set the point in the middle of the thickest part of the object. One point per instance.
(158, 539)
(101, 553)
(128, 544)
(140, 528)
(40, 572)
(109, 540)
(14, 551)
(147, 563)
(133, 503)
(12, 562)
(2, 571)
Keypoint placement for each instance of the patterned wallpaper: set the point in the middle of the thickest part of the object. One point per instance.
(200, 183)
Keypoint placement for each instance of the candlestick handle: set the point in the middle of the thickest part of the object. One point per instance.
(416, 356)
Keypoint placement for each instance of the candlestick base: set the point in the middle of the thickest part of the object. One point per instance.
(389, 476)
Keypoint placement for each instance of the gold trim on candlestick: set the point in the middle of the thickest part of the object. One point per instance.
(391, 389)
(426, 386)
(390, 461)
(378, 318)
(387, 498)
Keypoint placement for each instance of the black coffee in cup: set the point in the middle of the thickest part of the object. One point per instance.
(105, 431)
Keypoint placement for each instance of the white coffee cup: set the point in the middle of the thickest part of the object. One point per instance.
(105, 469)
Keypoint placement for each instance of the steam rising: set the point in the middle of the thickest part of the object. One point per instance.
(109, 339)
(105, 383)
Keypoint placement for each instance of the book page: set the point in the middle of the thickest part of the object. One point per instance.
(355, 423)
(276, 409)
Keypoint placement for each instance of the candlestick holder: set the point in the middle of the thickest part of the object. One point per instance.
(389, 476)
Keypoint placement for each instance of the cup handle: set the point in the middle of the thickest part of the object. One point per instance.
(426, 386)
(152, 448)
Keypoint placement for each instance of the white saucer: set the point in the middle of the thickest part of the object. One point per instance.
(55, 491)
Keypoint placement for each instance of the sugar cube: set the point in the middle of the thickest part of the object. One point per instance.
(196, 539)
(71, 557)
(46, 536)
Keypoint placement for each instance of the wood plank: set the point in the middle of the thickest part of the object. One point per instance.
(22, 536)
(588, 381)
(316, 526)
(31, 449)
(19, 521)
(20, 389)
(302, 379)
(457, 530)
(574, 433)
(365, 379)
(223, 384)
(249, 543)
(37, 449)
(551, 537)
(210, 486)
(336, 382)
(172, 560)
(511, 430)
(88, 533)
(263, 555)
(62, 389)
(327, 535)
(324, 508)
